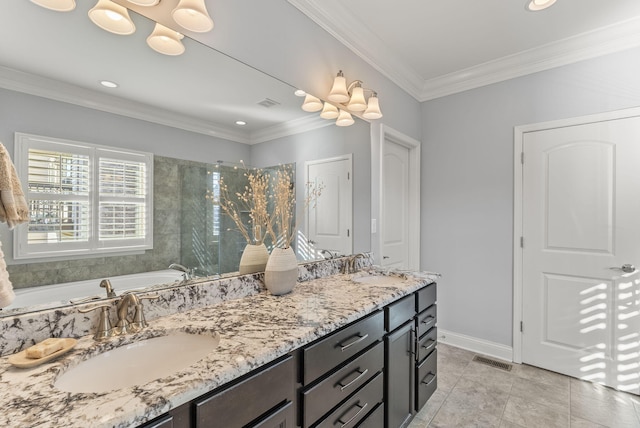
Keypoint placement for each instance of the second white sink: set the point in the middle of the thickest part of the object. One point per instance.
(137, 363)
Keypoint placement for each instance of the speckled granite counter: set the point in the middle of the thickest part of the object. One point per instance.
(253, 330)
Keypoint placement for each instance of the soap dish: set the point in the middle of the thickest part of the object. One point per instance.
(20, 359)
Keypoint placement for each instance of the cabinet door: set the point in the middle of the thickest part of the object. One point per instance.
(399, 376)
(283, 417)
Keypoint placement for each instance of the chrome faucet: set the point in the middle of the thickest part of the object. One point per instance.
(188, 273)
(106, 284)
(351, 265)
(138, 322)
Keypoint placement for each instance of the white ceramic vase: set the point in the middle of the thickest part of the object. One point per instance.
(254, 259)
(281, 273)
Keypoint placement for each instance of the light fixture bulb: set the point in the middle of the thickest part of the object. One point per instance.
(373, 108)
(165, 41)
(311, 104)
(339, 92)
(357, 102)
(329, 111)
(145, 3)
(57, 5)
(345, 119)
(536, 5)
(112, 18)
(193, 15)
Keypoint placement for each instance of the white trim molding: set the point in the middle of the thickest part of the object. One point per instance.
(479, 346)
(347, 29)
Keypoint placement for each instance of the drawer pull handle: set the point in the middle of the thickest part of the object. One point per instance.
(354, 342)
(430, 345)
(344, 424)
(360, 376)
(428, 320)
(433, 377)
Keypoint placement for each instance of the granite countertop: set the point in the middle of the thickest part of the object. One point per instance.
(253, 330)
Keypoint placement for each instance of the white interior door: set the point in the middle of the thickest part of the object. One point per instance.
(330, 218)
(395, 205)
(581, 218)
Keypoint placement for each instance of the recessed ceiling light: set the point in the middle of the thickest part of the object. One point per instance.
(241, 122)
(536, 5)
(300, 93)
(108, 84)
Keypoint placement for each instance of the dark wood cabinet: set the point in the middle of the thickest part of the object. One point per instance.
(375, 372)
(254, 398)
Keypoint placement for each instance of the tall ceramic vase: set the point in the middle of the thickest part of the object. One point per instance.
(254, 259)
(281, 273)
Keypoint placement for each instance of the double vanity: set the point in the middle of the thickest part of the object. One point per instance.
(345, 350)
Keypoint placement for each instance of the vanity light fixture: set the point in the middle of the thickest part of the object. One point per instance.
(145, 3)
(329, 111)
(57, 5)
(536, 5)
(165, 41)
(344, 98)
(344, 119)
(112, 17)
(311, 103)
(193, 15)
(299, 93)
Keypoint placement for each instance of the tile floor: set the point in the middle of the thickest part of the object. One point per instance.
(471, 394)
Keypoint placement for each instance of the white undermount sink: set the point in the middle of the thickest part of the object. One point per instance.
(377, 280)
(137, 363)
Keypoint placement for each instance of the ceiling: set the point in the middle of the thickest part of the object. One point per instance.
(63, 56)
(434, 48)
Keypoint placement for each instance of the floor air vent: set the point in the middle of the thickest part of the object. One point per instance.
(493, 363)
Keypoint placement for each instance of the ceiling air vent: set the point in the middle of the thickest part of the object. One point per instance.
(268, 102)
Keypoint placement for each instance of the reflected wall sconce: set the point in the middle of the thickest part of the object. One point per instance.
(189, 14)
(57, 5)
(536, 5)
(344, 98)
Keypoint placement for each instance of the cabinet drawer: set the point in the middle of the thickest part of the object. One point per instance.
(427, 319)
(249, 399)
(427, 343)
(340, 346)
(375, 419)
(325, 395)
(427, 380)
(283, 417)
(357, 407)
(426, 297)
(400, 312)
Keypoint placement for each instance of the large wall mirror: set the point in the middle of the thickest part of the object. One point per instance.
(182, 109)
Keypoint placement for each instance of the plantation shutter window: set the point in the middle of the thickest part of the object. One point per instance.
(83, 197)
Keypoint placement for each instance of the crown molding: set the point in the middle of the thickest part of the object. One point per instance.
(48, 88)
(349, 31)
(358, 38)
(292, 127)
(603, 41)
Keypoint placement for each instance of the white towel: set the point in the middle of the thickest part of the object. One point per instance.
(13, 206)
(6, 289)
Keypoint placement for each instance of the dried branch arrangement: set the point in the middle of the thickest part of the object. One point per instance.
(253, 199)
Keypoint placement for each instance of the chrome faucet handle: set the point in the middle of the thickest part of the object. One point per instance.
(139, 322)
(126, 300)
(106, 284)
(104, 330)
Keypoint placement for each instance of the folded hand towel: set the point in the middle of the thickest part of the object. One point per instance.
(13, 206)
(6, 289)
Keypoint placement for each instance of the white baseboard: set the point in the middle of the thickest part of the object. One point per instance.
(474, 344)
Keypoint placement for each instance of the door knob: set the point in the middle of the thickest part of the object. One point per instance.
(626, 268)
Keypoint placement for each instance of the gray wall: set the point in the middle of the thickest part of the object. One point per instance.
(324, 143)
(467, 180)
